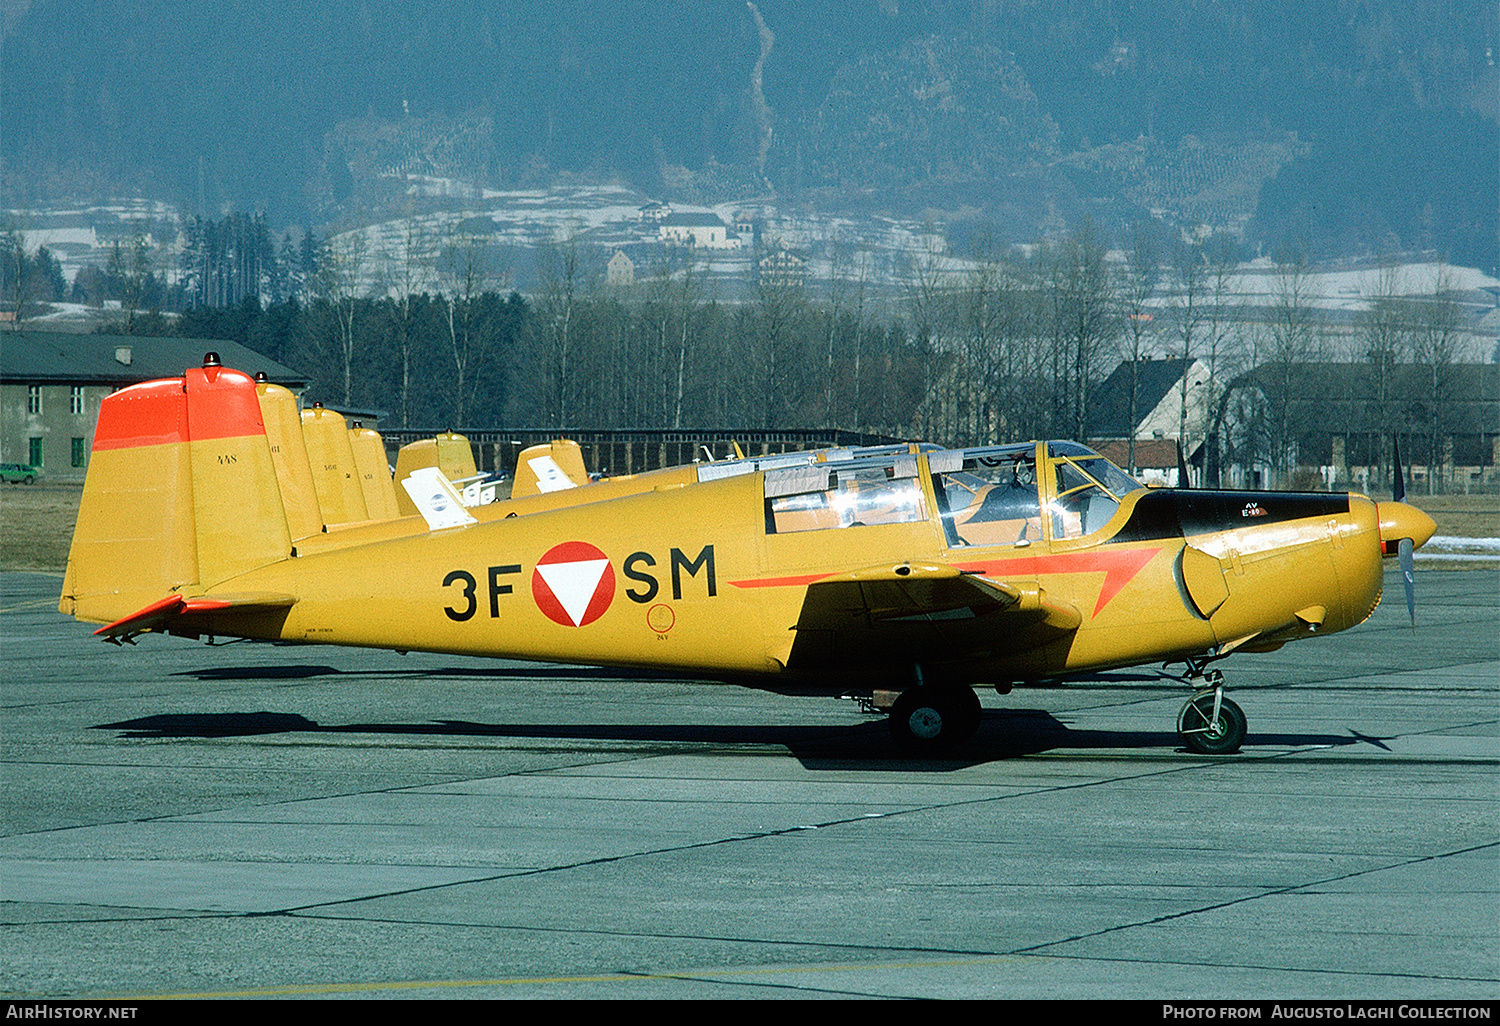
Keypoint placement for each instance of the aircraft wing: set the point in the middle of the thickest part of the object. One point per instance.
(922, 613)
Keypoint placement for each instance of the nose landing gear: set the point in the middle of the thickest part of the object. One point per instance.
(1209, 723)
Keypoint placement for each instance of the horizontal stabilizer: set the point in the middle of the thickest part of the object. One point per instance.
(158, 614)
(436, 499)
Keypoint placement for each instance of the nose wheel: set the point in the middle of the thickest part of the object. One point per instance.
(1209, 723)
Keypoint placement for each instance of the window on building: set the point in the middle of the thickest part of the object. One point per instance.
(35, 452)
(75, 399)
(80, 454)
(33, 398)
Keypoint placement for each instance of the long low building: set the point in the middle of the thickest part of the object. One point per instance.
(51, 384)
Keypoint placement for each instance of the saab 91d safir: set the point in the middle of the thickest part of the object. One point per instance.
(916, 571)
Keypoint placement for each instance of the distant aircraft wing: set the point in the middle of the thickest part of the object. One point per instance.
(915, 613)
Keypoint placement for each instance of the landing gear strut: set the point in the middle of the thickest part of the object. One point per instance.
(931, 718)
(1210, 723)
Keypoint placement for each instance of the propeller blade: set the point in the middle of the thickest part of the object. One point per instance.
(1400, 489)
(1404, 546)
(1404, 550)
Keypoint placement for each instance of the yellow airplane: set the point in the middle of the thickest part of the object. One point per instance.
(923, 573)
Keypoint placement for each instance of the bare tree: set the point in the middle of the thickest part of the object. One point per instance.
(340, 280)
(1386, 330)
(1439, 341)
(780, 304)
(926, 302)
(137, 274)
(408, 273)
(689, 295)
(1294, 337)
(1219, 266)
(20, 283)
(1084, 304)
(1142, 277)
(466, 267)
(988, 319)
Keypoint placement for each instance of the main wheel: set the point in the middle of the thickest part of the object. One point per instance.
(932, 718)
(1202, 733)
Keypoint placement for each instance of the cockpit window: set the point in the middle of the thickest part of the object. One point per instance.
(1088, 489)
(820, 497)
(988, 496)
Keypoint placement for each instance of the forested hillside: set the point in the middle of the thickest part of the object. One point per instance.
(1359, 125)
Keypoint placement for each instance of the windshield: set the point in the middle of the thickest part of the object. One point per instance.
(1087, 487)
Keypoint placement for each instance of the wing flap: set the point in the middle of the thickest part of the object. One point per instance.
(915, 613)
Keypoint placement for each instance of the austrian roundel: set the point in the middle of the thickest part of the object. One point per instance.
(573, 584)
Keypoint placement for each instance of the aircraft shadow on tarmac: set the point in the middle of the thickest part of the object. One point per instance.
(528, 672)
(1003, 734)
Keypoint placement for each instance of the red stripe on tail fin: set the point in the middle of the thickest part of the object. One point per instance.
(151, 413)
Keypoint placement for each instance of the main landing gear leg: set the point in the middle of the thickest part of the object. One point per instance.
(1210, 723)
(931, 718)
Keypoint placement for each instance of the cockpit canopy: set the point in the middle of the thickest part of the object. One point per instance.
(986, 495)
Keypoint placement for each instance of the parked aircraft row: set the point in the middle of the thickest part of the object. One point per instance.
(911, 573)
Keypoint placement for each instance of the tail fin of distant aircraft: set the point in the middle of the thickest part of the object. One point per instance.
(299, 494)
(549, 468)
(181, 495)
(374, 472)
(341, 497)
(450, 453)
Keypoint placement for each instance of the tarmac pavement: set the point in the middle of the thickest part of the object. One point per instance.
(261, 820)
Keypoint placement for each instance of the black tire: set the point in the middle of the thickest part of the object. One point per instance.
(932, 718)
(1199, 732)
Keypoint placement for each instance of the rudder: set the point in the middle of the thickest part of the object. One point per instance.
(180, 495)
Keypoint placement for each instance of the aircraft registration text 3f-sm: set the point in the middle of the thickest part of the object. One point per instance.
(913, 571)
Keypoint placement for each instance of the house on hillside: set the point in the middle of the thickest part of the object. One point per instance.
(51, 384)
(781, 269)
(620, 271)
(704, 230)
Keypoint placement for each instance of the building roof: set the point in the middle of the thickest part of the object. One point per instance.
(1342, 397)
(1150, 453)
(41, 357)
(1109, 406)
(692, 219)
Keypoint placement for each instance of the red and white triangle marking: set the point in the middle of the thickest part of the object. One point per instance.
(573, 584)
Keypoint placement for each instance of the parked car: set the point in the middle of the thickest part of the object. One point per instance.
(24, 473)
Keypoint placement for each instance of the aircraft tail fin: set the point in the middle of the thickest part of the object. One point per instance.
(299, 493)
(448, 452)
(181, 494)
(341, 496)
(374, 473)
(552, 467)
